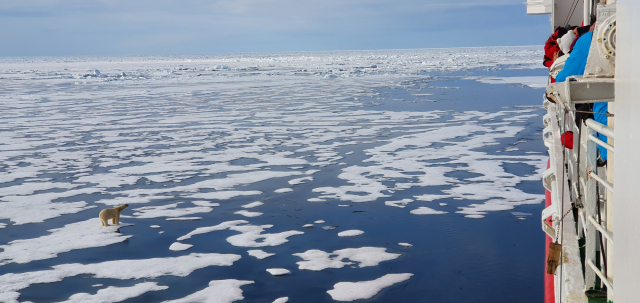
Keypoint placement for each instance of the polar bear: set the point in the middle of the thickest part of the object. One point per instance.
(111, 213)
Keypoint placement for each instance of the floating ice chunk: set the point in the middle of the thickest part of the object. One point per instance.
(401, 203)
(79, 235)
(155, 226)
(3, 225)
(474, 216)
(316, 200)
(161, 232)
(344, 205)
(319, 221)
(317, 260)
(97, 285)
(531, 81)
(443, 204)
(300, 180)
(260, 254)
(423, 210)
(349, 153)
(177, 246)
(283, 190)
(116, 294)
(204, 230)
(37, 208)
(351, 291)
(252, 233)
(224, 195)
(184, 219)
(312, 171)
(169, 210)
(278, 271)
(219, 291)
(206, 203)
(180, 266)
(429, 198)
(330, 227)
(253, 204)
(350, 233)
(281, 300)
(405, 244)
(307, 225)
(247, 213)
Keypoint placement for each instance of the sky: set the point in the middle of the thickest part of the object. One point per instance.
(172, 27)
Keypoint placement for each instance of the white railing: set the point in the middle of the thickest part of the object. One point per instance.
(578, 169)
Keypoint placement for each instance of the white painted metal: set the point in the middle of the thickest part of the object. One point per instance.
(599, 127)
(539, 7)
(626, 208)
(607, 234)
(556, 180)
(578, 90)
(603, 278)
(601, 143)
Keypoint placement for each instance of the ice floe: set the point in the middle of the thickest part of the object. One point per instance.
(252, 204)
(400, 203)
(177, 246)
(278, 271)
(168, 210)
(80, 235)
(247, 213)
(423, 210)
(184, 219)
(350, 233)
(259, 254)
(155, 226)
(180, 266)
(218, 291)
(204, 230)
(116, 294)
(317, 260)
(281, 300)
(283, 190)
(351, 291)
(403, 244)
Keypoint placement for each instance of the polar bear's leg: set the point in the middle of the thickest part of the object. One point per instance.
(104, 222)
(116, 219)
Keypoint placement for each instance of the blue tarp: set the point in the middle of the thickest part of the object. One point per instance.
(575, 66)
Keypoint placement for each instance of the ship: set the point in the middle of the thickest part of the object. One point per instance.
(592, 213)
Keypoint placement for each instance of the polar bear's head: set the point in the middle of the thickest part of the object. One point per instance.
(121, 207)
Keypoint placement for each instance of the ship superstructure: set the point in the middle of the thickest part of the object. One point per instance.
(592, 219)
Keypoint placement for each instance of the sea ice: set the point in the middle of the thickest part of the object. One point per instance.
(155, 226)
(426, 211)
(169, 210)
(317, 260)
(281, 300)
(278, 271)
(219, 291)
(350, 233)
(260, 254)
(79, 235)
(253, 204)
(351, 291)
(184, 219)
(177, 246)
(283, 190)
(307, 225)
(319, 221)
(180, 266)
(401, 203)
(405, 244)
(116, 294)
(204, 230)
(248, 213)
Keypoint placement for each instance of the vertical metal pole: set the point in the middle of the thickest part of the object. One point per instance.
(591, 239)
